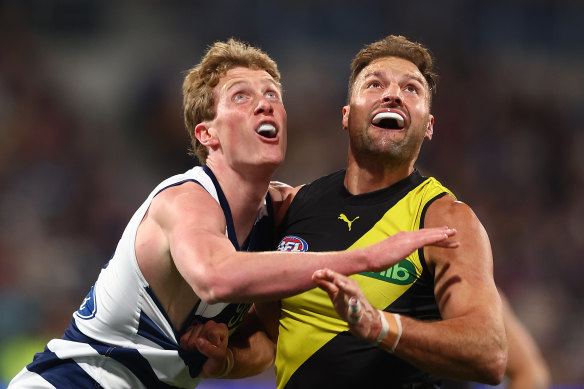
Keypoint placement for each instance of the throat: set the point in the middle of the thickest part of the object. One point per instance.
(368, 176)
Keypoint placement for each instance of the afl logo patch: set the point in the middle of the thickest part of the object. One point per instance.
(88, 307)
(292, 243)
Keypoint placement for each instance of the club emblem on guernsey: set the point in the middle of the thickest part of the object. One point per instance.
(344, 218)
(88, 307)
(292, 243)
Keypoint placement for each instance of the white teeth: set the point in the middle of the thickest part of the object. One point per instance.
(267, 130)
(388, 115)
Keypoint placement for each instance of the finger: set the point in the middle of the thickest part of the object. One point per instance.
(354, 311)
(210, 334)
(208, 349)
(443, 240)
(343, 283)
(216, 333)
(424, 237)
(321, 274)
(337, 281)
(333, 276)
(435, 233)
(189, 338)
(446, 244)
(448, 231)
(328, 287)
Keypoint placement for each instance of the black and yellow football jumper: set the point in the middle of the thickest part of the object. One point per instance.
(315, 348)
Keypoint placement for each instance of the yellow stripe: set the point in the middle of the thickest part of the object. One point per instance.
(308, 320)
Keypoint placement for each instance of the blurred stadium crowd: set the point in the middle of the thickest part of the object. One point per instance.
(90, 122)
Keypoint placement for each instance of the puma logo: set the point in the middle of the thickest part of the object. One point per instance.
(345, 219)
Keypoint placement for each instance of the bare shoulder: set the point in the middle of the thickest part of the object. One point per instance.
(282, 195)
(280, 191)
(183, 204)
(470, 233)
(451, 212)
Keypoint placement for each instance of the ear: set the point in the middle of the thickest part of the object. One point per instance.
(430, 130)
(205, 134)
(345, 120)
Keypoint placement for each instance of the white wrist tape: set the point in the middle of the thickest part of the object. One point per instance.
(399, 331)
(355, 314)
(385, 330)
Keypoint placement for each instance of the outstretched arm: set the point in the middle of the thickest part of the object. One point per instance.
(194, 226)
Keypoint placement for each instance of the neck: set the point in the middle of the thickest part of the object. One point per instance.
(245, 193)
(369, 174)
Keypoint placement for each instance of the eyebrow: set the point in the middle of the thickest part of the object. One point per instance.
(246, 81)
(409, 76)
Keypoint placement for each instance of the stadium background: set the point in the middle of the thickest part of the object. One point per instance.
(90, 122)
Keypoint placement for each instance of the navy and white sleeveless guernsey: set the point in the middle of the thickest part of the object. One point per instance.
(121, 336)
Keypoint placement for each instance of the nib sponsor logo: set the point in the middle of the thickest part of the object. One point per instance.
(403, 273)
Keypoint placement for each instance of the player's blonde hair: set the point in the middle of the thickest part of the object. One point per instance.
(395, 46)
(200, 81)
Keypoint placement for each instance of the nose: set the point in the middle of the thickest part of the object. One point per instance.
(392, 95)
(263, 106)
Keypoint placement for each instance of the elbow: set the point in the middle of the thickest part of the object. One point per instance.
(214, 288)
(489, 361)
(494, 357)
(493, 367)
(494, 371)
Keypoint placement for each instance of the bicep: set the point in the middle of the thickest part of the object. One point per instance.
(195, 229)
(463, 275)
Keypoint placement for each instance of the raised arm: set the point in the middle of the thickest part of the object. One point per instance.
(470, 342)
(194, 227)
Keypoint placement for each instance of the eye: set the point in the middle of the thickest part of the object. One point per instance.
(271, 95)
(411, 88)
(374, 84)
(239, 96)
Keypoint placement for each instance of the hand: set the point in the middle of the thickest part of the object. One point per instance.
(365, 322)
(393, 249)
(211, 340)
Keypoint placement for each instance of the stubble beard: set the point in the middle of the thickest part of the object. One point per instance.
(384, 149)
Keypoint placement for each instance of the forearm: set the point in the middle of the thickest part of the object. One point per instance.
(248, 277)
(267, 276)
(456, 348)
(469, 344)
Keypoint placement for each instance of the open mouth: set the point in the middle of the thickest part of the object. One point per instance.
(267, 130)
(389, 121)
